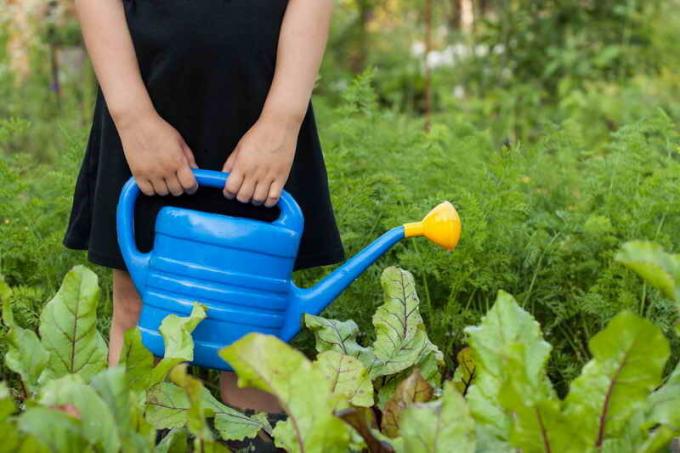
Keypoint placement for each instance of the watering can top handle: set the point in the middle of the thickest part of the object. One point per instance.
(291, 214)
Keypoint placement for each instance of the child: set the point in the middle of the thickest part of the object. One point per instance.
(216, 84)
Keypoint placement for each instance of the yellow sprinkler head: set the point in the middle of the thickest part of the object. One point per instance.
(441, 226)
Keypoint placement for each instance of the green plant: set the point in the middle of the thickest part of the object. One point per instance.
(70, 401)
(619, 402)
(388, 393)
(657, 267)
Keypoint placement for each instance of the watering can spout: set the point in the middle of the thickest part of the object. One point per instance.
(441, 226)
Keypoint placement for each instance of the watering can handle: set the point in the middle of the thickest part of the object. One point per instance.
(290, 217)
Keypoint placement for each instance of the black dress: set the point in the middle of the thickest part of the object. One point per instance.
(207, 65)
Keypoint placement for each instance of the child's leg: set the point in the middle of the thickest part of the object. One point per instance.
(246, 398)
(126, 307)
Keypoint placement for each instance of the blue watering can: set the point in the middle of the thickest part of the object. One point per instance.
(241, 269)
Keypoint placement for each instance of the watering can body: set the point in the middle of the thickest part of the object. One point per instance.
(239, 269)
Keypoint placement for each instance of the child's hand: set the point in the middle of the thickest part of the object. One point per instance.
(158, 157)
(261, 162)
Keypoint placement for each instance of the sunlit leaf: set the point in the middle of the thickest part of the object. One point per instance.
(179, 344)
(665, 403)
(98, 424)
(127, 411)
(68, 327)
(54, 429)
(348, 378)
(169, 405)
(657, 267)
(401, 339)
(444, 425)
(493, 342)
(266, 363)
(137, 360)
(628, 361)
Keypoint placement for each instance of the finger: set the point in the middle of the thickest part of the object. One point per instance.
(245, 193)
(187, 180)
(174, 185)
(145, 186)
(159, 187)
(261, 192)
(275, 191)
(190, 156)
(229, 164)
(233, 185)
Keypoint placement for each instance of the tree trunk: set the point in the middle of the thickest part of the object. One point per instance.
(467, 15)
(358, 61)
(454, 15)
(54, 71)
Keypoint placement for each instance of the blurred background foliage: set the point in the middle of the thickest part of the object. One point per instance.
(552, 125)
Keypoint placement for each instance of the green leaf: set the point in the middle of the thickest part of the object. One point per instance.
(176, 332)
(68, 327)
(444, 425)
(494, 342)
(5, 290)
(8, 432)
(168, 407)
(628, 361)
(25, 355)
(465, 372)
(638, 438)
(195, 414)
(7, 406)
(98, 423)
(665, 403)
(428, 365)
(348, 377)
(657, 267)
(488, 441)
(362, 419)
(179, 344)
(173, 442)
(266, 363)
(197, 411)
(538, 424)
(232, 424)
(413, 389)
(30, 444)
(54, 429)
(137, 360)
(401, 340)
(340, 336)
(135, 433)
(429, 362)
